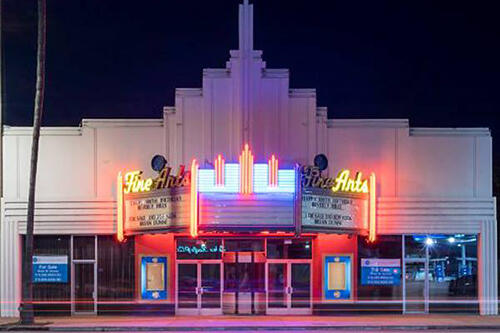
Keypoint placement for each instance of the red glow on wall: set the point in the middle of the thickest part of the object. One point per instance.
(273, 171)
(246, 171)
(219, 171)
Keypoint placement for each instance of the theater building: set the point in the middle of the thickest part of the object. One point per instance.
(255, 203)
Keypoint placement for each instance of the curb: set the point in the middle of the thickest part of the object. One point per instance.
(248, 328)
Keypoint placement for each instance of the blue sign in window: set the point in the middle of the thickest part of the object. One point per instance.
(379, 272)
(50, 269)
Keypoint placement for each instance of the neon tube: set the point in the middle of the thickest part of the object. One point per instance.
(273, 171)
(246, 171)
(219, 171)
(194, 199)
(372, 233)
(119, 207)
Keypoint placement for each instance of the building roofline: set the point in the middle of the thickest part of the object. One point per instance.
(390, 123)
(153, 122)
(48, 130)
(445, 131)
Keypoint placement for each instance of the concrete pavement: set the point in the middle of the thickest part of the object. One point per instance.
(253, 323)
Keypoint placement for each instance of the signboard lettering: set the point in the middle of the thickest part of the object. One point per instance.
(50, 269)
(376, 271)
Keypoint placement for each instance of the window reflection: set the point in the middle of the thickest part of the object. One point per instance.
(452, 267)
(244, 277)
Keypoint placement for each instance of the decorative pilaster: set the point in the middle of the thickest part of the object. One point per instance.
(487, 268)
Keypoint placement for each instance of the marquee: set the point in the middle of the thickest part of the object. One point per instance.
(245, 197)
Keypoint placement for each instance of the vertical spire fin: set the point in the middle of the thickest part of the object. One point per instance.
(246, 28)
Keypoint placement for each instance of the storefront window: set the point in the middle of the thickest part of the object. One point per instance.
(244, 245)
(379, 273)
(55, 289)
(84, 247)
(280, 248)
(415, 246)
(452, 267)
(115, 268)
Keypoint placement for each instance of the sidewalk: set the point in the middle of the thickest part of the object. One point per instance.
(252, 323)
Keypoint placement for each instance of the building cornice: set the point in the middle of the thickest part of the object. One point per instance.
(384, 123)
(93, 123)
(305, 92)
(52, 131)
(472, 131)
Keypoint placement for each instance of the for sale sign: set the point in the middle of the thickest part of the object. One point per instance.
(375, 271)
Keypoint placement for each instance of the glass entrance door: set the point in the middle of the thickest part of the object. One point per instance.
(415, 291)
(289, 287)
(199, 288)
(83, 275)
(85, 291)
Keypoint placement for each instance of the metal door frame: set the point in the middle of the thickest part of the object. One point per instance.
(199, 289)
(425, 261)
(75, 262)
(288, 288)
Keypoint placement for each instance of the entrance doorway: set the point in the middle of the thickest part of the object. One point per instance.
(416, 290)
(84, 275)
(199, 287)
(288, 285)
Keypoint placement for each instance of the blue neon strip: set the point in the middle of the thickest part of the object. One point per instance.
(286, 180)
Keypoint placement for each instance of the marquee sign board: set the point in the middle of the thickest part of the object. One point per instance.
(325, 209)
(160, 209)
(333, 204)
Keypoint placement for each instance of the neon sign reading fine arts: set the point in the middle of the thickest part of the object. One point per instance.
(134, 182)
(311, 177)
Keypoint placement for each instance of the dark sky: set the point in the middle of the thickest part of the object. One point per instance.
(434, 62)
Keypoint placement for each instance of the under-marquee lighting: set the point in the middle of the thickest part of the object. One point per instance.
(429, 241)
(451, 240)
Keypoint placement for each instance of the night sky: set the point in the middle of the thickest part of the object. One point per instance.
(434, 62)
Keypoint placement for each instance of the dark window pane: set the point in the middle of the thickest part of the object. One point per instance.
(453, 268)
(83, 247)
(415, 246)
(57, 246)
(279, 248)
(244, 277)
(199, 248)
(244, 245)
(115, 269)
(385, 247)
(187, 285)
(210, 285)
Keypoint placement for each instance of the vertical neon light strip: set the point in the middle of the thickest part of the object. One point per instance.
(372, 233)
(194, 199)
(273, 171)
(246, 171)
(119, 207)
(219, 171)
